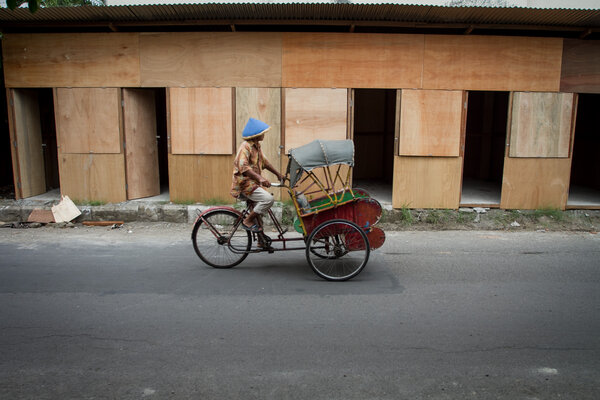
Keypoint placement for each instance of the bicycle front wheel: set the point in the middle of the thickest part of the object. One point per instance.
(337, 250)
(219, 240)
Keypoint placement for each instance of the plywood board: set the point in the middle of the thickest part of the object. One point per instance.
(27, 134)
(198, 178)
(201, 120)
(427, 182)
(541, 124)
(492, 63)
(71, 60)
(314, 114)
(93, 177)
(88, 120)
(580, 66)
(141, 149)
(431, 122)
(208, 59)
(533, 183)
(352, 60)
(263, 104)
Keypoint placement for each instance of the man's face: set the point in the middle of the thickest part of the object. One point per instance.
(260, 138)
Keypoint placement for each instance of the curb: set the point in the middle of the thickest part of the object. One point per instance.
(392, 219)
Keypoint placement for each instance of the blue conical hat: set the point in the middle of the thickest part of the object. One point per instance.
(254, 128)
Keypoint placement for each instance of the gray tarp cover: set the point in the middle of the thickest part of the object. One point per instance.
(319, 153)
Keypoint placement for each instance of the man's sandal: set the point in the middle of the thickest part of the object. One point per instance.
(254, 228)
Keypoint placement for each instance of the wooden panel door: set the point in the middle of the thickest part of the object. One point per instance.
(201, 120)
(194, 178)
(263, 104)
(541, 124)
(88, 120)
(26, 137)
(93, 177)
(427, 182)
(141, 148)
(431, 122)
(532, 183)
(315, 114)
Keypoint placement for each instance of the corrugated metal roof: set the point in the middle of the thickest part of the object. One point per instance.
(318, 12)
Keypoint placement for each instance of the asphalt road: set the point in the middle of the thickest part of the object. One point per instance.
(98, 314)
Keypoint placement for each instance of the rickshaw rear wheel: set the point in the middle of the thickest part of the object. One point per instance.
(337, 250)
(219, 240)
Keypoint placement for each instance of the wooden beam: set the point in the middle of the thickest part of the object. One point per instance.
(208, 22)
(585, 34)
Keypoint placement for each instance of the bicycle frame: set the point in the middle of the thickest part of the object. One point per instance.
(280, 236)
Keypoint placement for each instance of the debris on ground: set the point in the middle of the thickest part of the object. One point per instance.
(41, 216)
(102, 223)
(21, 225)
(65, 211)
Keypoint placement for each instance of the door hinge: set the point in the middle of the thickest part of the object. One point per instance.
(19, 185)
(15, 143)
(123, 144)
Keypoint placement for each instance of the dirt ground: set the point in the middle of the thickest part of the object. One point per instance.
(493, 219)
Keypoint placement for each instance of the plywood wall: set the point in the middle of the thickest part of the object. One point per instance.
(431, 122)
(492, 63)
(427, 182)
(93, 177)
(88, 120)
(208, 59)
(352, 60)
(262, 59)
(200, 178)
(541, 124)
(315, 114)
(201, 120)
(532, 183)
(580, 71)
(71, 60)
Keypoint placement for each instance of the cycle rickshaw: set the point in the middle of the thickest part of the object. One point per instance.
(336, 221)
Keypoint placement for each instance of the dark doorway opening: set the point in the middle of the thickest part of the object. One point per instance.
(162, 140)
(49, 144)
(374, 126)
(584, 188)
(485, 144)
(7, 188)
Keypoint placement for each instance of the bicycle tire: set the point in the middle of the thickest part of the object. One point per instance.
(219, 240)
(337, 250)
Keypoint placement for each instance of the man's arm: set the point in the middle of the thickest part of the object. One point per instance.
(258, 178)
(270, 167)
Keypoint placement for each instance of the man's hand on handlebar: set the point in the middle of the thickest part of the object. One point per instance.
(264, 182)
